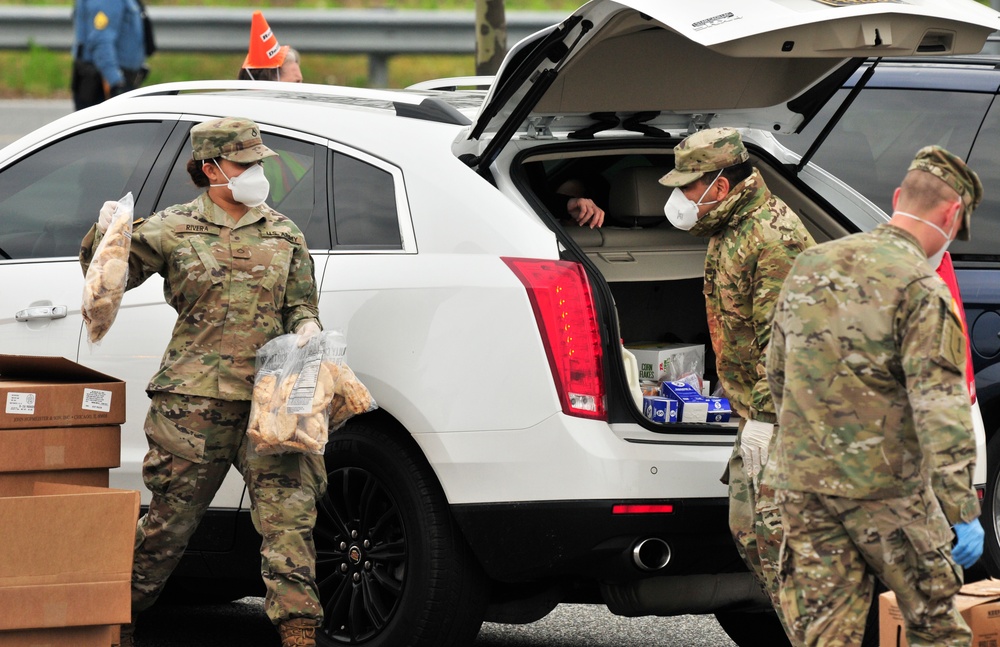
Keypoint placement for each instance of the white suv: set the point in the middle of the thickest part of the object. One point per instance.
(507, 468)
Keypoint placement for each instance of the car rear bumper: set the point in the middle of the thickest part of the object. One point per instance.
(532, 541)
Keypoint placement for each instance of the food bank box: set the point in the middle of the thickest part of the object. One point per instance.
(78, 455)
(692, 406)
(668, 361)
(978, 602)
(659, 409)
(719, 410)
(55, 392)
(65, 564)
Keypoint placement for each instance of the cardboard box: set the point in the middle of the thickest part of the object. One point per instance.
(96, 636)
(23, 483)
(978, 602)
(40, 392)
(692, 406)
(59, 448)
(65, 559)
(719, 409)
(668, 361)
(659, 409)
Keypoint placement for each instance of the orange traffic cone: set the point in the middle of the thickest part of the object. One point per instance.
(265, 52)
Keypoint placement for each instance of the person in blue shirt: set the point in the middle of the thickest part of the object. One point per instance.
(109, 49)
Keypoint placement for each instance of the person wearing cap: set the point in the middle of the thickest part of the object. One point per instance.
(874, 460)
(238, 274)
(290, 70)
(753, 239)
(266, 59)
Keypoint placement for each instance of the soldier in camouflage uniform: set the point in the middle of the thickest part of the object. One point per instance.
(238, 274)
(874, 460)
(753, 239)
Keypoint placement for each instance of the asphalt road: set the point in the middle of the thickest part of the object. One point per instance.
(243, 623)
(19, 117)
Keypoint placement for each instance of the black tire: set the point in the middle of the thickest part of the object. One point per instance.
(990, 517)
(393, 569)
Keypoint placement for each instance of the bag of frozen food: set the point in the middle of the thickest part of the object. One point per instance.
(106, 278)
(301, 393)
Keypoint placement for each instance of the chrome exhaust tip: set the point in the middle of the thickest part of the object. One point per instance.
(651, 554)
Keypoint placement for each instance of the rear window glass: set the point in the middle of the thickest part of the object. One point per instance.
(985, 161)
(874, 142)
(364, 205)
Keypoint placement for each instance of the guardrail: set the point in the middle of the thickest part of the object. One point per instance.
(376, 33)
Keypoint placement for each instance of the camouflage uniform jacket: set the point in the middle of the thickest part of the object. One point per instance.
(755, 238)
(867, 366)
(234, 287)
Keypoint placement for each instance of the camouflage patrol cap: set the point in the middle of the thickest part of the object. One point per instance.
(704, 151)
(231, 138)
(956, 174)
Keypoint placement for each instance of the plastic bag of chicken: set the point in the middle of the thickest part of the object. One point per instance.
(106, 278)
(302, 393)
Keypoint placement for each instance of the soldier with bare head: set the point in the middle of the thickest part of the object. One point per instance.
(873, 464)
(753, 239)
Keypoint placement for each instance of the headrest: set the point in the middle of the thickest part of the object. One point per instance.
(637, 197)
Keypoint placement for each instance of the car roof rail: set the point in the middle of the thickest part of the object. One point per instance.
(453, 83)
(405, 104)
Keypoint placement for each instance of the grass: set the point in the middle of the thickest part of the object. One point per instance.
(43, 73)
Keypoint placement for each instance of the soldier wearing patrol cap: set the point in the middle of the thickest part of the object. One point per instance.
(238, 274)
(753, 239)
(873, 464)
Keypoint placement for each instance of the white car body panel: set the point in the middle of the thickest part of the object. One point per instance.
(566, 459)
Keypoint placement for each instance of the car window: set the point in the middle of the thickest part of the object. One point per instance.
(874, 142)
(364, 205)
(985, 223)
(49, 199)
(293, 187)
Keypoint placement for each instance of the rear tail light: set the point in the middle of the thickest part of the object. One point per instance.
(642, 508)
(564, 310)
(947, 272)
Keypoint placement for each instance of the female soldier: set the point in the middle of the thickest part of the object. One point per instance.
(238, 274)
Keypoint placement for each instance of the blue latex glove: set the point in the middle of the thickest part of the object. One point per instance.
(969, 547)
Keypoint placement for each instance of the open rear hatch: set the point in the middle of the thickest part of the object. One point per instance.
(657, 67)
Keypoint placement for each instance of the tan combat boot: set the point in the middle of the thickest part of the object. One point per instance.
(298, 632)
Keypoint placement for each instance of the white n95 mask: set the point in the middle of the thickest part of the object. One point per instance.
(934, 259)
(249, 187)
(681, 211)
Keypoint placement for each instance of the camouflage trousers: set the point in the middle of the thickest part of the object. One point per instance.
(192, 443)
(755, 524)
(833, 548)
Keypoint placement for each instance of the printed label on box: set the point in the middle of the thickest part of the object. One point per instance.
(96, 400)
(22, 403)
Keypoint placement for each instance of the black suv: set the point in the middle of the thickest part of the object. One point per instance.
(901, 106)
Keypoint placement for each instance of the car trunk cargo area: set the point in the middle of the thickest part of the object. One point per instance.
(654, 272)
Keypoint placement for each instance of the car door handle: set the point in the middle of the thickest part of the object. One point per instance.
(41, 312)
